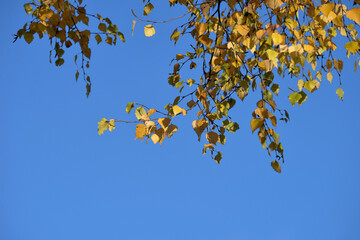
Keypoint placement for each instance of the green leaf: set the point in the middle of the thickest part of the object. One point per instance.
(294, 98)
(276, 166)
(268, 95)
(129, 106)
(230, 126)
(28, 8)
(340, 93)
(275, 88)
(149, 30)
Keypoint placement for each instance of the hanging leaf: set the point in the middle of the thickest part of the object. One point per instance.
(354, 14)
(212, 137)
(218, 157)
(256, 123)
(276, 166)
(140, 131)
(28, 8)
(103, 125)
(148, 8)
(149, 30)
(140, 112)
(340, 93)
(129, 106)
(199, 126)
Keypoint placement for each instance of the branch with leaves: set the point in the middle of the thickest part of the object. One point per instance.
(243, 47)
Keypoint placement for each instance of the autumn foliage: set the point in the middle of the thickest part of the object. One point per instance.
(237, 48)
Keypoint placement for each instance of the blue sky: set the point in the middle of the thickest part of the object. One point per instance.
(60, 180)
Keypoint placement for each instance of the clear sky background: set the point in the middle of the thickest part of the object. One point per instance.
(59, 180)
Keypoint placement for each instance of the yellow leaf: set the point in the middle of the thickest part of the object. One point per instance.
(133, 27)
(243, 30)
(300, 84)
(278, 39)
(262, 113)
(111, 125)
(158, 136)
(103, 125)
(276, 166)
(309, 48)
(354, 14)
(352, 46)
(151, 112)
(212, 137)
(201, 28)
(329, 77)
(256, 123)
(273, 4)
(310, 86)
(140, 131)
(326, 8)
(272, 54)
(176, 110)
(204, 39)
(149, 30)
(199, 126)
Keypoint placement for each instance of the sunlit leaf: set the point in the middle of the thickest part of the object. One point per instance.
(103, 125)
(140, 131)
(294, 98)
(354, 14)
(256, 123)
(139, 112)
(329, 76)
(340, 93)
(352, 46)
(176, 110)
(111, 124)
(149, 30)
